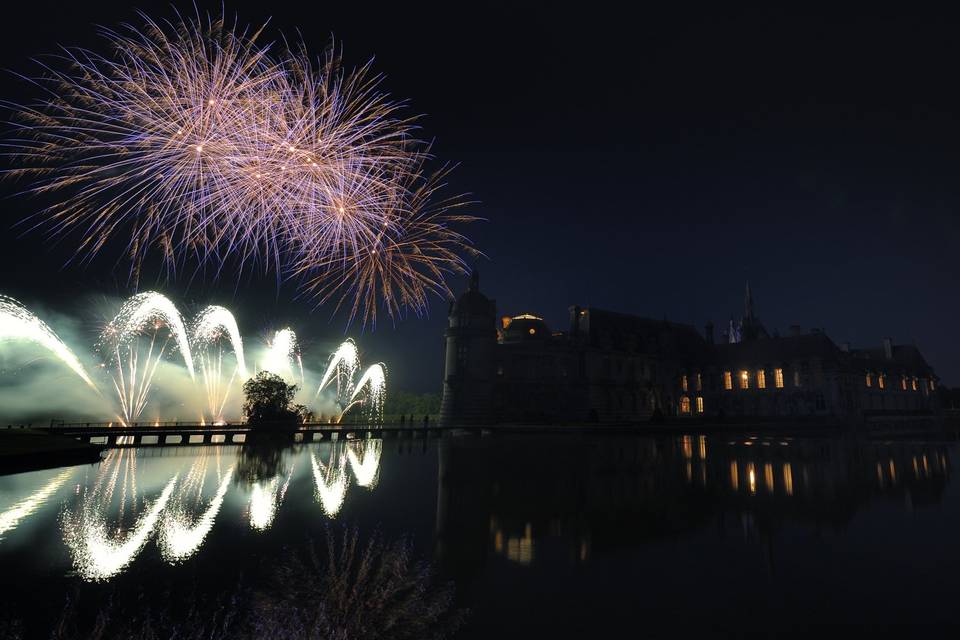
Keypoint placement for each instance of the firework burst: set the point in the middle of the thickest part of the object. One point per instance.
(194, 140)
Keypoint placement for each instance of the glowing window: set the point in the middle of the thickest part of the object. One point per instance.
(700, 382)
(727, 380)
(788, 478)
(683, 383)
(778, 378)
(914, 384)
(903, 382)
(882, 381)
(933, 385)
(761, 379)
(744, 379)
(684, 404)
(699, 404)
(532, 331)
(869, 379)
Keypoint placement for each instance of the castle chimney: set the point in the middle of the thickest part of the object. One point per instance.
(708, 331)
(888, 348)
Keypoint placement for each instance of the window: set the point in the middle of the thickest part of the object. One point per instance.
(796, 378)
(700, 382)
(903, 382)
(933, 385)
(914, 383)
(882, 381)
(778, 378)
(869, 379)
(699, 404)
(728, 381)
(744, 379)
(683, 383)
(684, 404)
(761, 379)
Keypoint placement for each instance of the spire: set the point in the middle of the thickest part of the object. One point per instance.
(748, 304)
(474, 280)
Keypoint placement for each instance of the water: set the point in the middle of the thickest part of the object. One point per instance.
(542, 536)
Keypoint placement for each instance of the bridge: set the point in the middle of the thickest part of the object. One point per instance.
(173, 433)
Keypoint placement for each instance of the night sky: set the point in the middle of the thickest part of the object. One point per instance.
(648, 163)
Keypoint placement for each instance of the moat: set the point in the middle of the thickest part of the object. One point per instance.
(541, 535)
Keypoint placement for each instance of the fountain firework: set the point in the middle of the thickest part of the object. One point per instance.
(211, 326)
(283, 356)
(133, 366)
(17, 323)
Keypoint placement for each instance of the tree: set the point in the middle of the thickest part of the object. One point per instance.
(269, 399)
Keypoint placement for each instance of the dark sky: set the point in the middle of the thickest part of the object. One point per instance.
(643, 162)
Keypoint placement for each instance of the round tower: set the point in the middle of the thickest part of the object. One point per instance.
(471, 342)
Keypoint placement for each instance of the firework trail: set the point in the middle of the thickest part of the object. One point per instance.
(283, 356)
(193, 140)
(343, 363)
(17, 323)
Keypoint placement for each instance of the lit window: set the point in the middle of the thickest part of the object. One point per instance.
(700, 382)
(778, 378)
(933, 386)
(683, 383)
(914, 383)
(728, 380)
(699, 404)
(903, 382)
(684, 404)
(744, 379)
(788, 478)
(532, 331)
(796, 378)
(869, 379)
(882, 381)
(761, 379)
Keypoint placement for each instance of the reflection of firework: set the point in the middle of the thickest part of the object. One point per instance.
(193, 140)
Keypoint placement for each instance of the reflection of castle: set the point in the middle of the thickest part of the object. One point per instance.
(614, 367)
(575, 498)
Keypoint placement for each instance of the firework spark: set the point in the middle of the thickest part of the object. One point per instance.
(194, 140)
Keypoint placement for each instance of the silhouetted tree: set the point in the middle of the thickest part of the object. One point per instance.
(268, 399)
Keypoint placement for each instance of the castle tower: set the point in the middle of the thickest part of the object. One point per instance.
(471, 342)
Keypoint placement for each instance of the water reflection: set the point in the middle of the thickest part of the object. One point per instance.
(579, 497)
(181, 533)
(109, 528)
(11, 517)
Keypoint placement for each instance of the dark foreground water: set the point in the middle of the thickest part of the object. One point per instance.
(542, 536)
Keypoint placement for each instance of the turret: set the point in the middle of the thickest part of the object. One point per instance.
(471, 341)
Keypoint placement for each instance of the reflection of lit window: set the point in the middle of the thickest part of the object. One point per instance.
(778, 378)
(699, 404)
(761, 379)
(687, 445)
(702, 442)
(684, 404)
(768, 476)
(727, 380)
(869, 379)
(752, 478)
(788, 478)
(734, 477)
(700, 383)
(744, 379)
(882, 381)
(683, 383)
